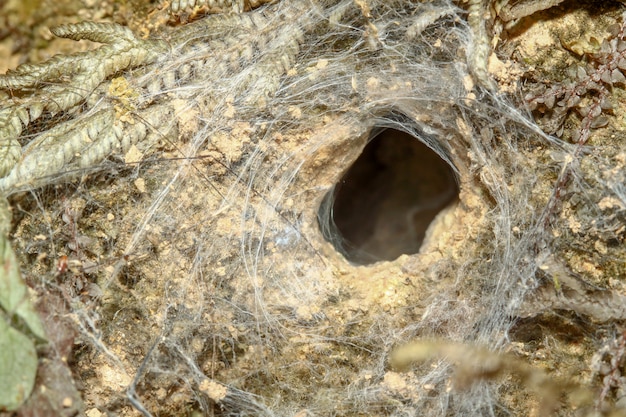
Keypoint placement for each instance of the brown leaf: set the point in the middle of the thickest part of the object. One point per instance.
(573, 101)
(606, 104)
(600, 122)
(595, 111)
(617, 77)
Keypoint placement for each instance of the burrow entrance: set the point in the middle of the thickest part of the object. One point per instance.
(382, 206)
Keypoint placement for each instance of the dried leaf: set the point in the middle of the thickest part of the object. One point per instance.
(595, 111)
(601, 57)
(530, 97)
(560, 130)
(594, 86)
(606, 104)
(571, 72)
(572, 101)
(237, 6)
(35, 110)
(614, 29)
(617, 77)
(474, 363)
(599, 122)
(22, 114)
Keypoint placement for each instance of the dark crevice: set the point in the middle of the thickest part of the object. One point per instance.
(382, 206)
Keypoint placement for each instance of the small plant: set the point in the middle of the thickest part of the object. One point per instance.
(608, 364)
(588, 90)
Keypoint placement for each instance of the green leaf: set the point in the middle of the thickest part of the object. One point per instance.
(18, 366)
(14, 293)
(18, 358)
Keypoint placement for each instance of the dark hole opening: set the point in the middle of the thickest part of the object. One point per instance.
(382, 206)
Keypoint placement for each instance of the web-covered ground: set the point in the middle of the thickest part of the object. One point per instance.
(197, 265)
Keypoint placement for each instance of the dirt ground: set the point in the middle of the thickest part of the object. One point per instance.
(228, 299)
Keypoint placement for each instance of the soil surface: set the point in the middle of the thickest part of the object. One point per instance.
(157, 311)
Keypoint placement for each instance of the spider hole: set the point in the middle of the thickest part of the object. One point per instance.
(384, 203)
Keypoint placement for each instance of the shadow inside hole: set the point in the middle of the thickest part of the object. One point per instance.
(382, 206)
